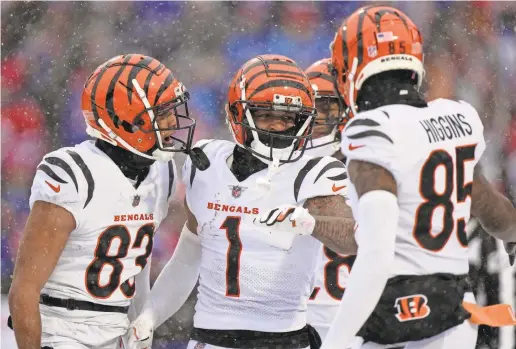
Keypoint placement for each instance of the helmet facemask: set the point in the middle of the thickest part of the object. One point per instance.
(287, 145)
(171, 123)
(326, 126)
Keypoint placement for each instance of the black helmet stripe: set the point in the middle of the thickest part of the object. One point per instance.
(147, 83)
(248, 82)
(268, 62)
(280, 83)
(316, 74)
(164, 86)
(111, 91)
(133, 73)
(94, 106)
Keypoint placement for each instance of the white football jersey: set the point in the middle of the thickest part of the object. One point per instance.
(330, 276)
(330, 282)
(115, 224)
(431, 153)
(245, 283)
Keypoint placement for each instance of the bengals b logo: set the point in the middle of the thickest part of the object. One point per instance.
(412, 307)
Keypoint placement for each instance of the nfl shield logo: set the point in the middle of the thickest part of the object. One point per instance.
(136, 200)
(236, 190)
(372, 51)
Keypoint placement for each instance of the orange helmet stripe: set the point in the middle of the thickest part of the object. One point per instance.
(111, 90)
(133, 73)
(94, 106)
(166, 84)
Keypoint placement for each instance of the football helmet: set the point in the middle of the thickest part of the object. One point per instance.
(269, 85)
(135, 102)
(372, 40)
(330, 109)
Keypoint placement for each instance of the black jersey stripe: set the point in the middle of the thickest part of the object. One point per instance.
(310, 164)
(370, 133)
(87, 174)
(64, 165)
(170, 177)
(331, 165)
(50, 173)
(339, 177)
(362, 122)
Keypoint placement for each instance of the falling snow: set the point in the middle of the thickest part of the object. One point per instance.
(50, 48)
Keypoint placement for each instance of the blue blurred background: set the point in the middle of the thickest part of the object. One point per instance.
(49, 49)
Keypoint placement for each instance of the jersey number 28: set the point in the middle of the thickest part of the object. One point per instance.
(331, 273)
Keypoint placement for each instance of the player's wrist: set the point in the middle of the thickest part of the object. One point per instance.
(309, 222)
(148, 316)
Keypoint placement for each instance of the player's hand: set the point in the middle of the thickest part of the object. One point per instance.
(510, 247)
(287, 218)
(140, 332)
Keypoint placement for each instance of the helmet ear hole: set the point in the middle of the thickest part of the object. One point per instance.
(233, 110)
(335, 73)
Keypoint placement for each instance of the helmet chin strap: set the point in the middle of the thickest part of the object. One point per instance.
(264, 184)
(351, 78)
(325, 145)
(277, 153)
(121, 141)
(157, 154)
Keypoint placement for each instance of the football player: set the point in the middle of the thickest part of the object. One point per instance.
(330, 119)
(95, 207)
(333, 268)
(414, 182)
(254, 286)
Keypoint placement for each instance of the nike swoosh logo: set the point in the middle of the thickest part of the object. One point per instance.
(335, 188)
(57, 188)
(352, 147)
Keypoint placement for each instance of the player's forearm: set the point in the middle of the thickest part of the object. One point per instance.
(142, 282)
(499, 220)
(494, 211)
(376, 239)
(176, 281)
(24, 308)
(334, 223)
(365, 287)
(336, 233)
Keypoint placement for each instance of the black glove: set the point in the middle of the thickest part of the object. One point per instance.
(510, 247)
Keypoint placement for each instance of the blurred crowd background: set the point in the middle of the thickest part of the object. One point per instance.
(50, 48)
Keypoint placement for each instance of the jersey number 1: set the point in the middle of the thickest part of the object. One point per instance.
(232, 227)
(434, 198)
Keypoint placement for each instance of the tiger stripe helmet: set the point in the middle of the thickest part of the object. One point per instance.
(321, 78)
(372, 40)
(124, 99)
(275, 83)
(325, 87)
